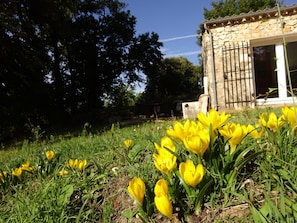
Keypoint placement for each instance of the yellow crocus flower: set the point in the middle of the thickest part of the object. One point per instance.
(166, 144)
(165, 162)
(198, 143)
(191, 175)
(253, 132)
(213, 119)
(73, 163)
(234, 133)
(179, 131)
(161, 188)
(50, 155)
(272, 122)
(289, 115)
(136, 189)
(17, 172)
(63, 172)
(26, 167)
(262, 119)
(162, 200)
(128, 143)
(81, 164)
(238, 135)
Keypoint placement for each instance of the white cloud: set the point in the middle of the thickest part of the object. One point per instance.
(177, 38)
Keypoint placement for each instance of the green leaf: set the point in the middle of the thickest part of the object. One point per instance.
(284, 174)
(257, 216)
(265, 210)
(271, 90)
(129, 213)
(64, 197)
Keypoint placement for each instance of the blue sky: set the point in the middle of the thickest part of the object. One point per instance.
(175, 21)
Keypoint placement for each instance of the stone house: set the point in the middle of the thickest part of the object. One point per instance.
(247, 55)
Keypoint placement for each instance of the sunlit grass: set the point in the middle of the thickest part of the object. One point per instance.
(265, 188)
(36, 194)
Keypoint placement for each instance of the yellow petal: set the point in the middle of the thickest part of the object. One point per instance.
(213, 119)
(164, 205)
(49, 155)
(81, 164)
(272, 122)
(136, 189)
(128, 143)
(289, 115)
(161, 188)
(63, 172)
(253, 131)
(17, 172)
(179, 131)
(191, 175)
(165, 162)
(198, 143)
(167, 143)
(73, 163)
(26, 167)
(162, 201)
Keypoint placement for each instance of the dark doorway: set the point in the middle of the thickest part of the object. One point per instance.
(265, 71)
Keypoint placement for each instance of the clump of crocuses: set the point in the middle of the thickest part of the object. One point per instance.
(193, 157)
(77, 164)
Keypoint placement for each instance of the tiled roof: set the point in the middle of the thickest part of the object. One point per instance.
(250, 16)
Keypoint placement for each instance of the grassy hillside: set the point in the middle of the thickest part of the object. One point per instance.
(85, 178)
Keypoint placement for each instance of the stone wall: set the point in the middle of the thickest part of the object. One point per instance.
(248, 29)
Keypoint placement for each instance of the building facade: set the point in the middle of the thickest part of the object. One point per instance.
(247, 58)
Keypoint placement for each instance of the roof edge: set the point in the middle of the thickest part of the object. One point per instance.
(272, 12)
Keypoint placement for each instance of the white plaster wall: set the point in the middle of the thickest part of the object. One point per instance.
(190, 109)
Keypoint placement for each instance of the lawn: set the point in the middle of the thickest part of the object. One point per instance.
(220, 170)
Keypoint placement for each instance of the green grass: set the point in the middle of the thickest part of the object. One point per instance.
(43, 198)
(266, 186)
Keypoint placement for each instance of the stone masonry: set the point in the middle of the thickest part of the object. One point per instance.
(245, 29)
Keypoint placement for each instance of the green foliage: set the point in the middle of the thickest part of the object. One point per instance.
(177, 78)
(224, 8)
(60, 58)
(279, 164)
(121, 97)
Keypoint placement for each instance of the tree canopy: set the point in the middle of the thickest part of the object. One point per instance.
(224, 8)
(60, 57)
(176, 78)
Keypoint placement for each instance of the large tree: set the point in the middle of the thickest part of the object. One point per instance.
(60, 57)
(224, 8)
(176, 78)
(23, 93)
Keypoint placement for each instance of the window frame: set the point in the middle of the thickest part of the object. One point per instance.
(278, 42)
